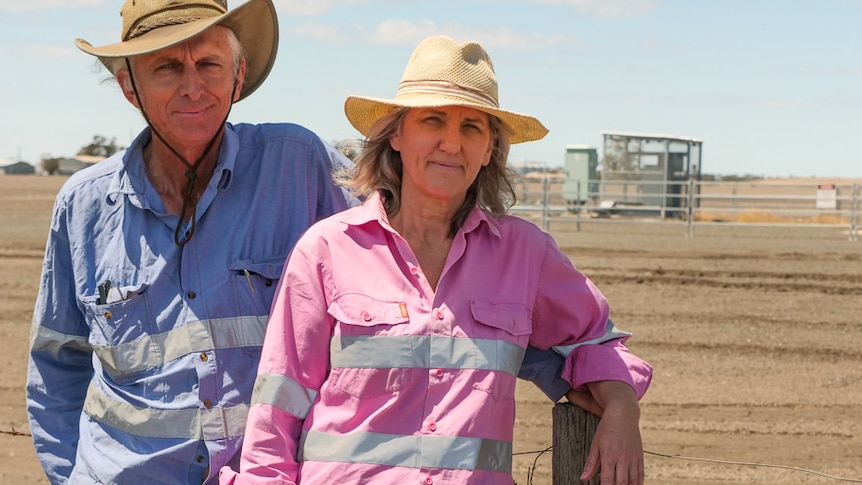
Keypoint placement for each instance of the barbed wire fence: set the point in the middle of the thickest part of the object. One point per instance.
(531, 470)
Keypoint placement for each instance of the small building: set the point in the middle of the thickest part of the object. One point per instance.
(16, 167)
(68, 166)
(581, 183)
(648, 171)
(524, 168)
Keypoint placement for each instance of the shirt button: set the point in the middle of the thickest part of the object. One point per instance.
(440, 373)
(366, 316)
(192, 295)
(414, 270)
(432, 426)
(268, 282)
(208, 404)
(108, 315)
(200, 459)
(428, 481)
(439, 314)
(204, 357)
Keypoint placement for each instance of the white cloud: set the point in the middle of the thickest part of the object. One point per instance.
(39, 52)
(608, 8)
(409, 33)
(325, 33)
(841, 72)
(307, 8)
(33, 5)
(404, 32)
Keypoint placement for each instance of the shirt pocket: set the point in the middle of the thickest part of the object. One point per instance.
(254, 284)
(121, 332)
(508, 321)
(125, 316)
(370, 351)
(501, 331)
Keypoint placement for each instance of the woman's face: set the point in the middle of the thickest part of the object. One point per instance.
(442, 150)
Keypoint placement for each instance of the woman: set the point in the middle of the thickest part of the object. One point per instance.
(396, 336)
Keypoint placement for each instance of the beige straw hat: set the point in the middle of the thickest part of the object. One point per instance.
(151, 25)
(442, 73)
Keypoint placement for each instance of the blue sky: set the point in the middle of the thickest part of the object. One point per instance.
(772, 87)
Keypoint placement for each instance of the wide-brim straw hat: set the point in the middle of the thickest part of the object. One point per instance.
(443, 73)
(152, 25)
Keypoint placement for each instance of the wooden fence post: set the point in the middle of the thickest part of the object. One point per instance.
(574, 429)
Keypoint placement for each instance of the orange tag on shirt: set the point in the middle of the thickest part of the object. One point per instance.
(403, 308)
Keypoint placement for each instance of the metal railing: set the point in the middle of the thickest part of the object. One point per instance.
(694, 203)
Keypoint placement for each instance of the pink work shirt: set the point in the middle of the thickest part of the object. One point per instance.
(370, 376)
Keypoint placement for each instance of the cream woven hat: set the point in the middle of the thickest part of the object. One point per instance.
(151, 25)
(442, 73)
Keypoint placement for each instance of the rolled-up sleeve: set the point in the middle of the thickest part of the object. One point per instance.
(571, 315)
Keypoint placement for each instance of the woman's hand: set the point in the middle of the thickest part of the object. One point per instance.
(617, 447)
(585, 401)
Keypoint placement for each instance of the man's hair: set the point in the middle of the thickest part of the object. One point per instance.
(378, 168)
(116, 64)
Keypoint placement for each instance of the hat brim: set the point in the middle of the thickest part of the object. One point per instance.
(363, 112)
(255, 24)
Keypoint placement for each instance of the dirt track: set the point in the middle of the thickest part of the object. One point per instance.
(755, 335)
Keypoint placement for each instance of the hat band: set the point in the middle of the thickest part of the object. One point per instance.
(446, 88)
(166, 17)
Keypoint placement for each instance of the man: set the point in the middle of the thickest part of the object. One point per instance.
(162, 261)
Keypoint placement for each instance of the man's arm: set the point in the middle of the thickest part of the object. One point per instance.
(544, 368)
(60, 364)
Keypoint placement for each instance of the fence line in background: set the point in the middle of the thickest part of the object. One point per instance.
(574, 429)
(695, 203)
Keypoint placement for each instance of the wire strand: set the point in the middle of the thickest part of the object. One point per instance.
(765, 465)
(646, 452)
(707, 460)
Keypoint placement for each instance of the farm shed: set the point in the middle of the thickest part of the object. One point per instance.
(649, 170)
(13, 167)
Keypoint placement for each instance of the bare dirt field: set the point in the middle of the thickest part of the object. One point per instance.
(755, 335)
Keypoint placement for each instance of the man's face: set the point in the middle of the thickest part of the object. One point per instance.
(187, 90)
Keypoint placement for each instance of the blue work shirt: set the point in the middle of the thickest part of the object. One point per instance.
(144, 353)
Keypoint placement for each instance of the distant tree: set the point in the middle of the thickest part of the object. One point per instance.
(349, 147)
(100, 147)
(51, 165)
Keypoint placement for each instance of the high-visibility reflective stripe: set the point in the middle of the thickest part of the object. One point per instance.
(450, 452)
(284, 393)
(611, 333)
(155, 350)
(196, 424)
(417, 351)
(46, 340)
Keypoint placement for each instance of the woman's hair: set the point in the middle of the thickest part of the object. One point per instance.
(378, 169)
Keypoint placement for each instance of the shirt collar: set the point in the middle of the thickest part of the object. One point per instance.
(131, 179)
(372, 210)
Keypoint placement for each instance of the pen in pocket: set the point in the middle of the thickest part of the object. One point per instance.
(104, 288)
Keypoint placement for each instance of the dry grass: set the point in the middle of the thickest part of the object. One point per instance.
(755, 217)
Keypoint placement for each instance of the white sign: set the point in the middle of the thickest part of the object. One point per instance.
(827, 196)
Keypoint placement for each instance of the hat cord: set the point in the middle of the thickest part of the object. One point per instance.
(191, 174)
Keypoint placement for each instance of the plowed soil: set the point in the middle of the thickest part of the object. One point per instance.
(755, 334)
